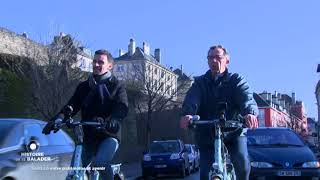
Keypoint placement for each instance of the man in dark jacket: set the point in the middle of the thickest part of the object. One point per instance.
(219, 85)
(102, 97)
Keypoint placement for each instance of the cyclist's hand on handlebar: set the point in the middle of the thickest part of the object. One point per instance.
(185, 121)
(100, 120)
(53, 124)
(251, 121)
(112, 126)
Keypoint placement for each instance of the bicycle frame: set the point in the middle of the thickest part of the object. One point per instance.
(78, 172)
(218, 169)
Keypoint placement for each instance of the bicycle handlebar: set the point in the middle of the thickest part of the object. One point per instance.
(70, 123)
(226, 123)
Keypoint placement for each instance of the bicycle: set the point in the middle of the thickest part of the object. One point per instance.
(222, 167)
(78, 172)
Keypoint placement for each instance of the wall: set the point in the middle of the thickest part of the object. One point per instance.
(14, 44)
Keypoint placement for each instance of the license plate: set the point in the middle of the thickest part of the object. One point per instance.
(160, 166)
(289, 173)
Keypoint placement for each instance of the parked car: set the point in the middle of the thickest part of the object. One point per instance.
(194, 157)
(164, 157)
(26, 153)
(276, 152)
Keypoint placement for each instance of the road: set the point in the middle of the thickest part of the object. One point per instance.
(132, 171)
(193, 176)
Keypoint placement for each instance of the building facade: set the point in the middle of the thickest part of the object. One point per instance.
(139, 66)
(281, 110)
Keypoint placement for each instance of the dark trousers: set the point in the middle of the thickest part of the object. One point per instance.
(238, 151)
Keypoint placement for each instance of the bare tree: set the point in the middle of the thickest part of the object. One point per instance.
(52, 75)
(150, 95)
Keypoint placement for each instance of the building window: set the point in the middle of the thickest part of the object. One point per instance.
(261, 118)
(162, 86)
(155, 70)
(168, 89)
(155, 84)
(168, 78)
(162, 74)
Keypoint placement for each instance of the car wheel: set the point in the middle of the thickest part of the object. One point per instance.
(154, 175)
(8, 178)
(183, 171)
(145, 175)
(188, 169)
(119, 176)
(194, 166)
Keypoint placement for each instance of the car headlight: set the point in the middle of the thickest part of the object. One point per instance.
(261, 165)
(311, 164)
(175, 156)
(146, 158)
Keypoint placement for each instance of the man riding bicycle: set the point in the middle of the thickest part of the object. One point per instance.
(215, 86)
(100, 98)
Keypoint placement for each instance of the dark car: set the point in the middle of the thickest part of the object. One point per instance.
(276, 152)
(164, 157)
(194, 157)
(26, 153)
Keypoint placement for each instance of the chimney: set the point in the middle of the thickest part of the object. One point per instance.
(269, 97)
(293, 98)
(25, 35)
(121, 52)
(157, 55)
(181, 69)
(146, 48)
(131, 47)
(274, 99)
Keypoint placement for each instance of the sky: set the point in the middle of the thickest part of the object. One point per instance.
(274, 44)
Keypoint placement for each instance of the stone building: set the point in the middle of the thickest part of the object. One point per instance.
(140, 66)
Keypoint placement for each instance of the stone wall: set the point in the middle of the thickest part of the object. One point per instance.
(15, 44)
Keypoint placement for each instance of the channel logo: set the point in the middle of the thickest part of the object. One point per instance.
(33, 145)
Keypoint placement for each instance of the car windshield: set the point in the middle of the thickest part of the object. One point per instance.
(273, 137)
(164, 147)
(5, 129)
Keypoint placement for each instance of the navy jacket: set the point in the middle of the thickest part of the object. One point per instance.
(116, 106)
(207, 91)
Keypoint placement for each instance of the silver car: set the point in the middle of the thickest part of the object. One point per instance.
(26, 153)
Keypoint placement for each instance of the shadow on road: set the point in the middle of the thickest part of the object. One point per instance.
(161, 177)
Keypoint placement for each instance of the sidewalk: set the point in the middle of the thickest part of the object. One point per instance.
(131, 170)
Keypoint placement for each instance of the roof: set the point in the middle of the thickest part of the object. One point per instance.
(182, 76)
(260, 101)
(137, 55)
